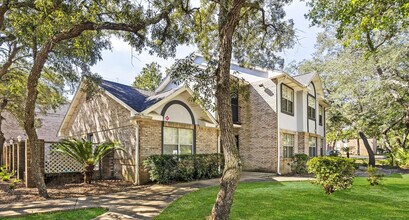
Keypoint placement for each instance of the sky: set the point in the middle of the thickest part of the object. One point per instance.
(121, 64)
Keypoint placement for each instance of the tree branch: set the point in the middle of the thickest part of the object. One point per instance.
(13, 52)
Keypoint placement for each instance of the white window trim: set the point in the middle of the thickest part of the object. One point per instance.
(178, 144)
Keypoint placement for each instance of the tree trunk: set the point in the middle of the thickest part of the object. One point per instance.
(405, 137)
(2, 138)
(88, 173)
(371, 155)
(228, 20)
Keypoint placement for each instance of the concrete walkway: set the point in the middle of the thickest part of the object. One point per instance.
(144, 203)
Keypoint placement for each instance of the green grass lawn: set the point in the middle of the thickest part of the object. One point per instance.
(301, 200)
(79, 214)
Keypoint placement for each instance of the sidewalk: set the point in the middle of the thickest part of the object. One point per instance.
(136, 204)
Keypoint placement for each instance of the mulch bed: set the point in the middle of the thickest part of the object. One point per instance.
(100, 187)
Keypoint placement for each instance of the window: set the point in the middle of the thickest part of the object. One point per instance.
(313, 146)
(287, 100)
(177, 141)
(288, 145)
(235, 108)
(321, 113)
(90, 137)
(311, 107)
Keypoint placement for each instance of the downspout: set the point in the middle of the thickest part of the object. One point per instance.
(278, 127)
(137, 181)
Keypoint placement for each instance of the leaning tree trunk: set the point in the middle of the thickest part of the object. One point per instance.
(371, 155)
(29, 123)
(228, 21)
(29, 127)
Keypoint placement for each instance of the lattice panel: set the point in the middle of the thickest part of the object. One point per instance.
(55, 162)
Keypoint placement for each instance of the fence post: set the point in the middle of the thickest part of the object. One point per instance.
(29, 176)
(1, 155)
(14, 159)
(20, 159)
(6, 155)
(4, 162)
(9, 160)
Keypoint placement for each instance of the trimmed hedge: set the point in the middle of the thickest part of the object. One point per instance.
(170, 168)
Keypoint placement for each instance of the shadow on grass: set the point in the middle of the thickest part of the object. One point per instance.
(395, 175)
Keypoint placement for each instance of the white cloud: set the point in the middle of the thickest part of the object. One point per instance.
(118, 45)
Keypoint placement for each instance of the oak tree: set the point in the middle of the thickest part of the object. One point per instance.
(69, 36)
(252, 32)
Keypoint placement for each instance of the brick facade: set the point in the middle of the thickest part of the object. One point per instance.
(258, 132)
(150, 141)
(107, 120)
(206, 140)
(302, 143)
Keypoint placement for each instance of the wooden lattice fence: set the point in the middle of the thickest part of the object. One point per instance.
(55, 162)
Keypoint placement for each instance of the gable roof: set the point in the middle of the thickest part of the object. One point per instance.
(304, 79)
(137, 99)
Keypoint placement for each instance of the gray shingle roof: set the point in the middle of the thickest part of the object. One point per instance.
(304, 79)
(50, 123)
(137, 99)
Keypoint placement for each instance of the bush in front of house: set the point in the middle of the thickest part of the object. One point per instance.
(170, 168)
(299, 165)
(332, 173)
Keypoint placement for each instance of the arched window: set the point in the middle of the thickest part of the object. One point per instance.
(178, 139)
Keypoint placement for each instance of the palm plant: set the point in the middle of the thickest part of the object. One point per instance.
(86, 153)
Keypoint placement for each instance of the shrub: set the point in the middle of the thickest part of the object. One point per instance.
(332, 173)
(5, 175)
(12, 185)
(375, 176)
(384, 162)
(402, 157)
(299, 166)
(168, 168)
